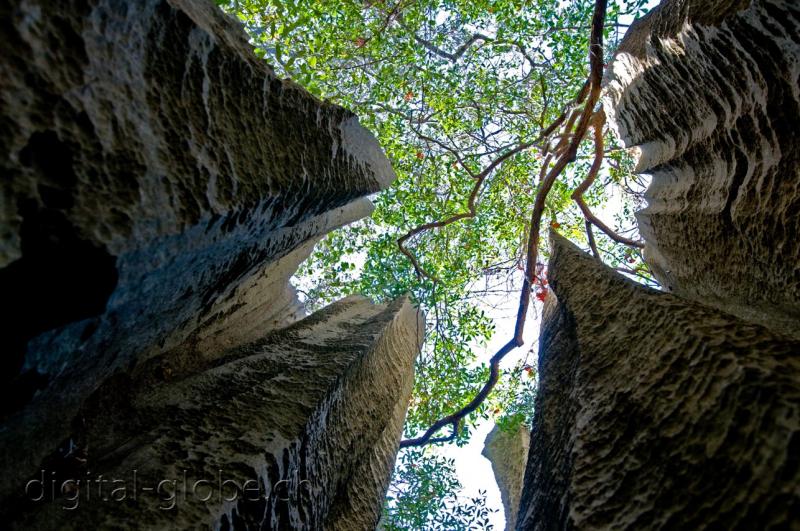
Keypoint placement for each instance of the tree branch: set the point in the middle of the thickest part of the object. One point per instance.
(592, 244)
(470, 213)
(455, 56)
(447, 148)
(599, 120)
(590, 92)
(479, 180)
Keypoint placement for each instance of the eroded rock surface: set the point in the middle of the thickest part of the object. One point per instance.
(655, 412)
(681, 410)
(709, 94)
(310, 415)
(159, 186)
(508, 453)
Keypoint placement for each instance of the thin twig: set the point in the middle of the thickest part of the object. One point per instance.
(479, 180)
(470, 212)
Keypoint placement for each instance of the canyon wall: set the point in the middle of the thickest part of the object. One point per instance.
(708, 95)
(657, 412)
(680, 409)
(297, 430)
(159, 187)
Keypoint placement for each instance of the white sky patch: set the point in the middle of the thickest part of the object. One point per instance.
(473, 470)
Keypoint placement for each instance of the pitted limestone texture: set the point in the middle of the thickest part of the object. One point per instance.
(708, 94)
(657, 412)
(160, 184)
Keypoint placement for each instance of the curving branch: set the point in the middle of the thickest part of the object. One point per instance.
(471, 211)
(480, 178)
(566, 152)
(484, 39)
(456, 55)
(447, 148)
(598, 121)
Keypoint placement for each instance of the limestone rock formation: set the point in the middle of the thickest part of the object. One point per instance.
(707, 92)
(655, 412)
(508, 453)
(681, 410)
(159, 186)
(272, 432)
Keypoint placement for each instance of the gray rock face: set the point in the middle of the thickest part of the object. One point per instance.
(707, 92)
(508, 453)
(159, 186)
(295, 431)
(681, 410)
(655, 412)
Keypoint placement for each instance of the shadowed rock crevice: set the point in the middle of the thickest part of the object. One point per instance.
(60, 278)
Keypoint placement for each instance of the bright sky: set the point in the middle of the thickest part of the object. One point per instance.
(474, 471)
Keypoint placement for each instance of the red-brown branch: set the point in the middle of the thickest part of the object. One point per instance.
(590, 92)
(598, 121)
(472, 207)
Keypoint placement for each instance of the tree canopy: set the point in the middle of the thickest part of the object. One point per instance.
(476, 103)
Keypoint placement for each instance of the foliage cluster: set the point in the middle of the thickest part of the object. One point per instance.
(423, 495)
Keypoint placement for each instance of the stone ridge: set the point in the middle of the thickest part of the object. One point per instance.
(711, 105)
(666, 20)
(159, 186)
(318, 404)
(658, 413)
(508, 453)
